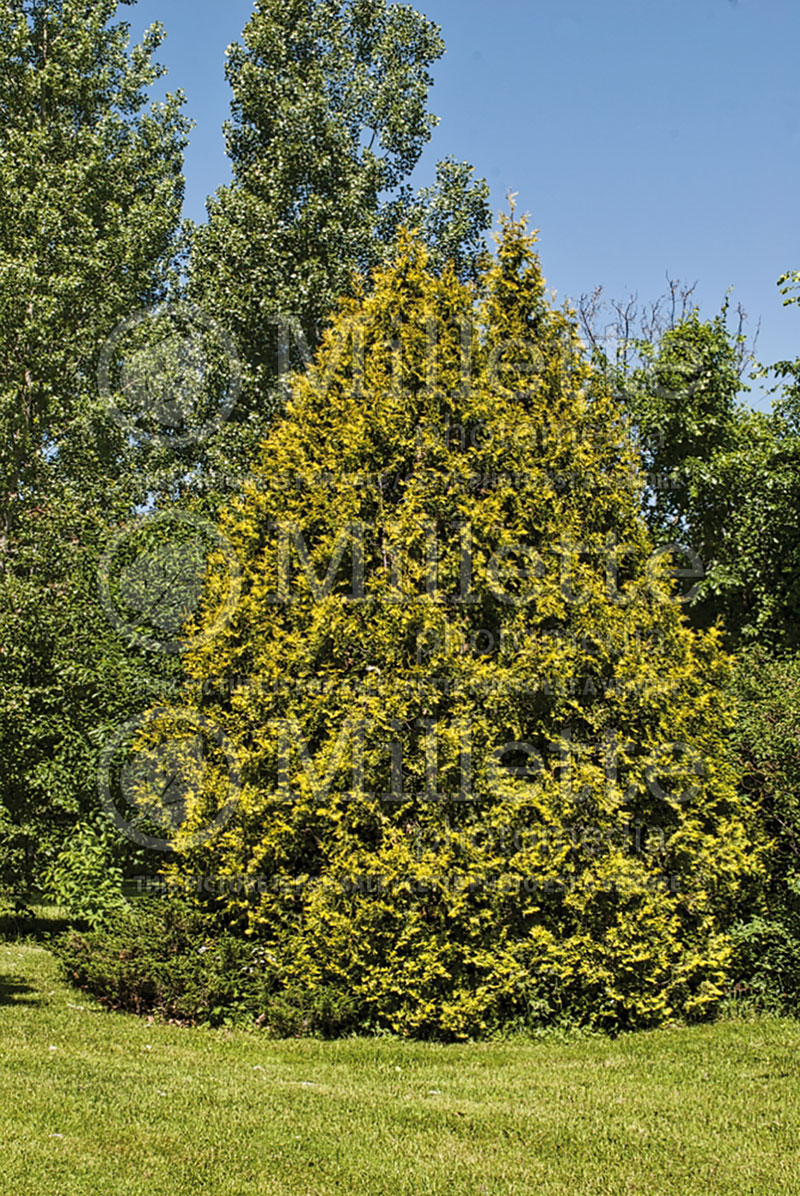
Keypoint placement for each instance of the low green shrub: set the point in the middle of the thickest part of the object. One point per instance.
(162, 958)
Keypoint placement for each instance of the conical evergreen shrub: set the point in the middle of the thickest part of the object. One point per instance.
(482, 777)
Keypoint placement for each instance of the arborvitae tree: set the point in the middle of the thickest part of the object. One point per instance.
(329, 119)
(464, 757)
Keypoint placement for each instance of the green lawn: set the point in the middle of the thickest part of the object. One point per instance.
(101, 1104)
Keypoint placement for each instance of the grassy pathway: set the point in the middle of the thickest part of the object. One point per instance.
(99, 1104)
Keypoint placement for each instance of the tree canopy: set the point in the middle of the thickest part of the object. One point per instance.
(329, 118)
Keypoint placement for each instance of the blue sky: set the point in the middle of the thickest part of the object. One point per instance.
(645, 137)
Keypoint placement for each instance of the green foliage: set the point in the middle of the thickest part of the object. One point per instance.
(452, 216)
(767, 740)
(789, 283)
(158, 957)
(724, 480)
(682, 401)
(329, 118)
(766, 964)
(69, 681)
(494, 789)
(90, 198)
(84, 877)
(752, 491)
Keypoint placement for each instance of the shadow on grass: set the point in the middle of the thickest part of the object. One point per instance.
(16, 991)
(38, 926)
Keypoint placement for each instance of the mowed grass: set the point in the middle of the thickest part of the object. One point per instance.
(100, 1104)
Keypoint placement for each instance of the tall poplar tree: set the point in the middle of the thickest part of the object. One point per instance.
(90, 197)
(329, 119)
